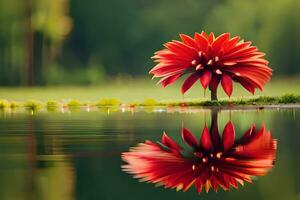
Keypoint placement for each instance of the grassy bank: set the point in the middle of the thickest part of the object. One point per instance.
(289, 99)
(129, 90)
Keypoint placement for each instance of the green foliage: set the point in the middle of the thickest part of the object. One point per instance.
(96, 47)
(57, 75)
(52, 104)
(149, 102)
(74, 103)
(14, 104)
(262, 100)
(289, 98)
(32, 33)
(33, 105)
(111, 105)
(108, 102)
(4, 104)
(51, 18)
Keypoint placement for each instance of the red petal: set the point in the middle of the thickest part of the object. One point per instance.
(188, 40)
(211, 38)
(169, 80)
(228, 136)
(205, 141)
(246, 85)
(205, 78)
(204, 34)
(217, 44)
(189, 82)
(188, 137)
(198, 185)
(201, 41)
(166, 140)
(227, 84)
(249, 133)
(181, 49)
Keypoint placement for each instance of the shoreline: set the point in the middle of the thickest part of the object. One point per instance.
(262, 102)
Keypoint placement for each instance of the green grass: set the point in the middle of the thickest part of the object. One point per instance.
(262, 100)
(149, 102)
(142, 92)
(32, 105)
(137, 90)
(108, 102)
(76, 104)
(52, 104)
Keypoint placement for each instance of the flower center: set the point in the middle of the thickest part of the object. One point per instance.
(203, 62)
(206, 161)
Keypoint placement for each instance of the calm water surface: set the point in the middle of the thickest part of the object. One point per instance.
(76, 155)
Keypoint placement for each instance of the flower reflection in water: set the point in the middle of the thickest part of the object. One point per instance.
(212, 162)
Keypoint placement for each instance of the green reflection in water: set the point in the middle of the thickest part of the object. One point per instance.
(76, 155)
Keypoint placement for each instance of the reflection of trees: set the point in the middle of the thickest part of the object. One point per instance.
(82, 151)
(50, 175)
(33, 164)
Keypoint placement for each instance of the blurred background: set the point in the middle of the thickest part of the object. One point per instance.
(71, 42)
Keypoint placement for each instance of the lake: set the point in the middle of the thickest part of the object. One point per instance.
(77, 154)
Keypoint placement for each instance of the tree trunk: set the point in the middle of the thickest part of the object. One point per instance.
(29, 43)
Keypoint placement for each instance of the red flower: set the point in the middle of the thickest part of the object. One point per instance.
(213, 162)
(212, 60)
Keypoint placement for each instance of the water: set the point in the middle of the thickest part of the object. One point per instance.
(77, 155)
